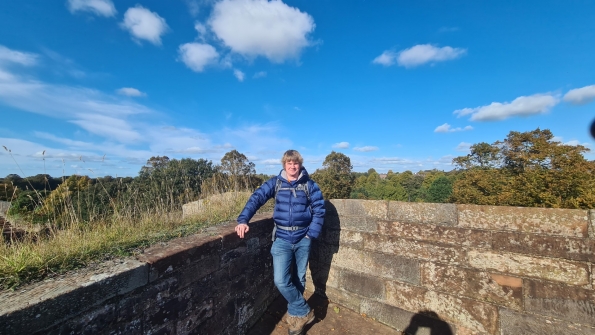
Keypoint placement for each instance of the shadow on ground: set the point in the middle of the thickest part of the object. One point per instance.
(330, 319)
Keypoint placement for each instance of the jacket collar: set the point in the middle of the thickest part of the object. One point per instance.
(302, 176)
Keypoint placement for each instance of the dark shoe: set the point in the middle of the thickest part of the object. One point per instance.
(296, 325)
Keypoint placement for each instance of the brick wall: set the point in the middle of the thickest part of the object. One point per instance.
(212, 283)
(459, 269)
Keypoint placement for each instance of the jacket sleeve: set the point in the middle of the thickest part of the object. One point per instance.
(318, 211)
(257, 199)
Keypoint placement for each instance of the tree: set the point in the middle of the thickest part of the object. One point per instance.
(237, 164)
(335, 178)
(440, 190)
(526, 169)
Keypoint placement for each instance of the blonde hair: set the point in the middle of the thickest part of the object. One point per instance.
(292, 156)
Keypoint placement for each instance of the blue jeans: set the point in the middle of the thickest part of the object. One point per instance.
(289, 269)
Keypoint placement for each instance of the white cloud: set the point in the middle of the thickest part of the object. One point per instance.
(393, 160)
(463, 146)
(198, 55)
(387, 58)
(580, 96)
(254, 28)
(239, 74)
(271, 161)
(131, 92)
(201, 29)
(99, 7)
(144, 24)
(341, 145)
(193, 7)
(366, 148)
(427, 53)
(521, 106)
(446, 128)
(12, 56)
(260, 74)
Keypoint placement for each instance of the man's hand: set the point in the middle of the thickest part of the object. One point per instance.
(242, 229)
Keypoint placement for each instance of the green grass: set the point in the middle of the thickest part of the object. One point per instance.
(75, 245)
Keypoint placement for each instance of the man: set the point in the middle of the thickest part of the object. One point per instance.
(298, 215)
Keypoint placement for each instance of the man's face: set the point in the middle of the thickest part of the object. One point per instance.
(292, 169)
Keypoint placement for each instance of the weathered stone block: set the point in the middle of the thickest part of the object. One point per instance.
(92, 322)
(358, 223)
(564, 302)
(592, 223)
(408, 297)
(345, 238)
(334, 206)
(515, 323)
(364, 285)
(344, 298)
(46, 303)
(198, 315)
(574, 273)
(385, 266)
(421, 323)
(414, 212)
(191, 274)
(389, 315)
(472, 314)
(498, 289)
(437, 233)
(166, 258)
(415, 249)
(364, 208)
(555, 221)
(580, 249)
(328, 277)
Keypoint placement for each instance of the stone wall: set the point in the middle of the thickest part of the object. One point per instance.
(212, 283)
(459, 269)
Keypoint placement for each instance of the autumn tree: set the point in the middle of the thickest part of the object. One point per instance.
(335, 178)
(526, 169)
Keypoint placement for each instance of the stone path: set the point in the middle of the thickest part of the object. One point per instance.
(330, 319)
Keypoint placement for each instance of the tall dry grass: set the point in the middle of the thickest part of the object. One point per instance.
(75, 234)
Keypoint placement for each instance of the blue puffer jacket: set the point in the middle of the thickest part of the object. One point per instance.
(291, 208)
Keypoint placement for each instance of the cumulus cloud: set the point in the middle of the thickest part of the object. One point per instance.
(463, 146)
(446, 128)
(17, 57)
(365, 148)
(580, 96)
(427, 53)
(387, 58)
(131, 92)
(99, 7)
(341, 145)
(254, 28)
(418, 55)
(144, 24)
(521, 106)
(197, 56)
(239, 74)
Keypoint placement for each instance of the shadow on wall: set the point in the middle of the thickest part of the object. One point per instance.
(427, 320)
(323, 250)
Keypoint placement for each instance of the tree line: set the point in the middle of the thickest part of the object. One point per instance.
(528, 169)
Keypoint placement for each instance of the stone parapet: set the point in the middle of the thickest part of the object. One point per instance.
(472, 269)
(210, 283)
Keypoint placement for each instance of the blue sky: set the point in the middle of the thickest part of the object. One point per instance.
(99, 86)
